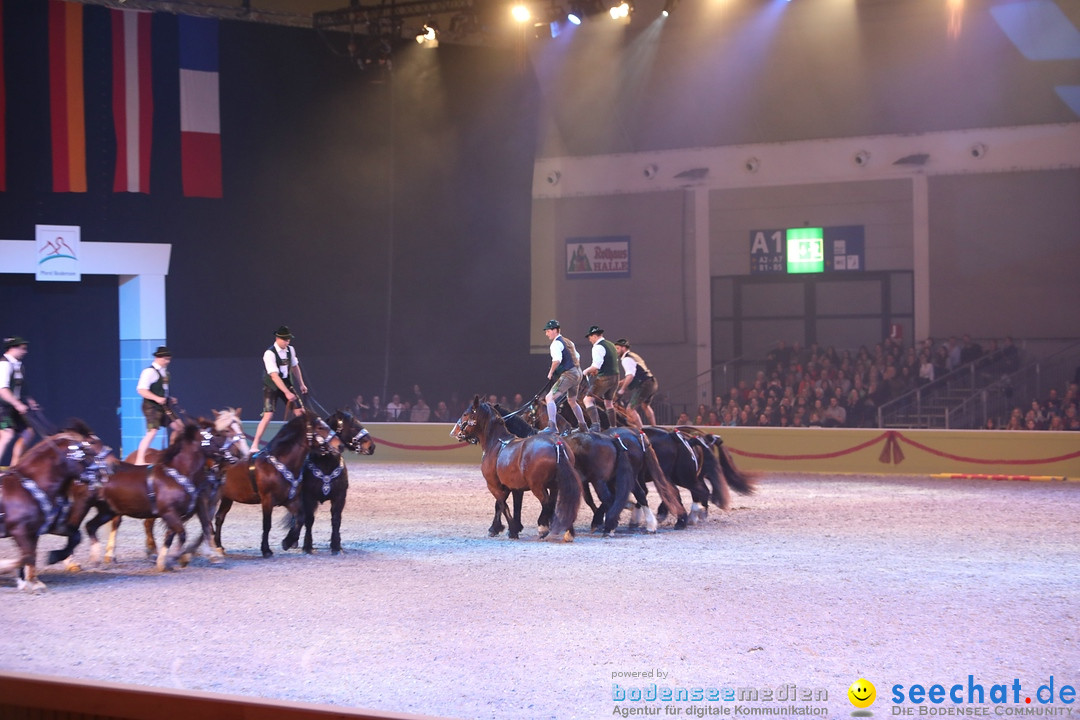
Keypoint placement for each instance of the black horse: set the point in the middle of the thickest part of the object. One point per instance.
(326, 477)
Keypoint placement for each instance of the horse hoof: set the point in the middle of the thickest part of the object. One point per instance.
(267, 553)
(184, 559)
(337, 551)
(74, 568)
(568, 536)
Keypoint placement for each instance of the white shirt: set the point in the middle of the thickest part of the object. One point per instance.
(599, 352)
(270, 361)
(557, 348)
(629, 365)
(9, 368)
(149, 376)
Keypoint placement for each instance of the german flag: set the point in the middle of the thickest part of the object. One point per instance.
(66, 101)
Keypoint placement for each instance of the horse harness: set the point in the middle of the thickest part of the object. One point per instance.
(325, 479)
(50, 510)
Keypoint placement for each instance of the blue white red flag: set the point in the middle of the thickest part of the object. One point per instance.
(200, 116)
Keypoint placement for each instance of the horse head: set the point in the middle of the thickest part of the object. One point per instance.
(185, 453)
(228, 423)
(472, 426)
(320, 435)
(351, 432)
(59, 459)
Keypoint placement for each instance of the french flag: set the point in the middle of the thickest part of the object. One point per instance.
(200, 116)
(133, 100)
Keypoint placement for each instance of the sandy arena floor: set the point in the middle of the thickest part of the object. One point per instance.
(813, 582)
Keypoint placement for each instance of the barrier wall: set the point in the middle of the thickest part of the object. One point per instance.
(997, 453)
(41, 697)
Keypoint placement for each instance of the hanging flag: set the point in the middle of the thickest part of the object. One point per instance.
(133, 99)
(200, 118)
(3, 107)
(66, 102)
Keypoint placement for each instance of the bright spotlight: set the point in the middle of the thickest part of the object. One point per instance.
(573, 17)
(521, 13)
(620, 11)
(669, 7)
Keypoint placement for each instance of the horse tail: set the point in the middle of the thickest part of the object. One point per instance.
(624, 483)
(669, 494)
(744, 483)
(568, 501)
(719, 492)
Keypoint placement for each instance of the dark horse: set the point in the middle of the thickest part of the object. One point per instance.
(697, 461)
(593, 452)
(540, 463)
(33, 498)
(327, 478)
(272, 478)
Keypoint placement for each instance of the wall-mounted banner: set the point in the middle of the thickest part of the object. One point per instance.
(593, 257)
(58, 253)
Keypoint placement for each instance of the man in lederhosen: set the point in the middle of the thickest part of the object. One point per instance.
(637, 380)
(605, 368)
(153, 387)
(279, 362)
(566, 372)
(13, 408)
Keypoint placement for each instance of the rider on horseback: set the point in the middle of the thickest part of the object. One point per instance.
(279, 361)
(153, 387)
(565, 371)
(637, 380)
(605, 366)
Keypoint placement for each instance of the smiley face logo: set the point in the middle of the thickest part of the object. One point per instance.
(862, 693)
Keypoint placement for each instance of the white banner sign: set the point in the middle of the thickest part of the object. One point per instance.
(593, 257)
(58, 253)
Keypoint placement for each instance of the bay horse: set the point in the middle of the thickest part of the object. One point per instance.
(228, 447)
(327, 478)
(541, 463)
(601, 462)
(644, 466)
(272, 478)
(170, 489)
(33, 498)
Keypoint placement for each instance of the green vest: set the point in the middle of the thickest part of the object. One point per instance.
(610, 366)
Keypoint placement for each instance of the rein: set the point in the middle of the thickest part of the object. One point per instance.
(527, 405)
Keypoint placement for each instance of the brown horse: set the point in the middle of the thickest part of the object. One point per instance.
(327, 478)
(593, 460)
(541, 463)
(224, 444)
(170, 489)
(33, 498)
(272, 478)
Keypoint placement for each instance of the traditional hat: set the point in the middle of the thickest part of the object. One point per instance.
(162, 351)
(14, 342)
(623, 342)
(283, 332)
(551, 325)
(594, 330)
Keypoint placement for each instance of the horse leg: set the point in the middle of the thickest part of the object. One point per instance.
(515, 523)
(65, 553)
(296, 511)
(598, 513)
(268, 509)
(167, 555)
(27, 578)
(310, 505)
(148, 527)
(92, 525)
(219, 519)
(337, 505)
(496, 523)
(547, 510)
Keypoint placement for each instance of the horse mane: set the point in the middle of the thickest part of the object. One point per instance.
(290, 433)
(77, 426)
(189, 434)
(515, 424)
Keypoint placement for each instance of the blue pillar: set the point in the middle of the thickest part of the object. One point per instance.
(142, 329)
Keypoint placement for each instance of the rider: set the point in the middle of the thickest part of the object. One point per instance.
(605, 366)
(637, 379)
(565, 371)
(279, 361)
(153, 386)
(12, 408)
